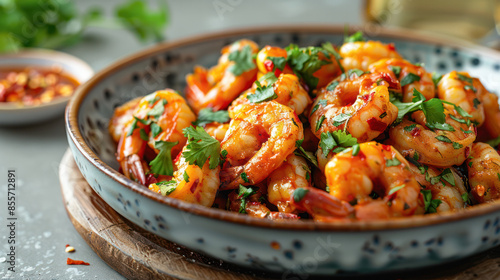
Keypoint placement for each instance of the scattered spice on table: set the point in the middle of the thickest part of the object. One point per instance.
(76, 262)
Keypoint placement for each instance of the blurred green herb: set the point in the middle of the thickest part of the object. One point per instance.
(54, 23)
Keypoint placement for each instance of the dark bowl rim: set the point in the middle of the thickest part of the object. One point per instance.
(73, 131)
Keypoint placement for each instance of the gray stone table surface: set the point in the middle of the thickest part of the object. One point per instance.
(34, 152)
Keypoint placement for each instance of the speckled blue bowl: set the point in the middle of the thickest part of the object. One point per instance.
(305, 248)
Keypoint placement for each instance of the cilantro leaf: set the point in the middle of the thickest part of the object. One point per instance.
(408, 79)
(305, 62)
(322, 102)
(305, 154)
(320, 122)
(396, 70)
(155, 129)
(443, 138)
(278, 62)
(433, 109)
(262, 94)
(243, 194)
(185, 176)
(430, 205)
(144, 22)
(158, 109)
(464, 78)
(162, 163)
(340, 119)
(329, 48)
(356, 37)
(392, 162)
(243, 61)
(338, 138)
(201, 146)
(206, 116)
(436, 78)
(299, 194)
(332, 86)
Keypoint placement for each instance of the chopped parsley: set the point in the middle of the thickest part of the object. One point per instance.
(433, 109)
(299, 194)
(322, 102)
(305, 154)
(155, 129)
(464, 78)
(185, 176)
(340, 119)
(158, 109)
(162, 163)
(329, 48)
(430, 205)
(355, 149)
(243, 194)
(408, 79)
(262, 93)
(356, 37)
(409, 128)
(336, 139)
(243, 61)
(392, 162)
(443, 138)
(144, 135)
(332, 86)
(243, 176)
(476, 102)
(278, 62)
(396, 70)
(320, 122)
(436, 78)
(201, 147)
(206, 116)
(305, 62)
(167, 187)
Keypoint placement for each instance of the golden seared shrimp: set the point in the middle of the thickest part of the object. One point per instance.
(410, 75)
(288, 90)
(260, 137)
(191, 183)
(161, 116)
(122, 116)
(462, 90)
(439, 148)
(359, 55)
(292, 174)
(484, 172)
(221, 84)
(491, 110)
(362, 104)
(266, 65)
(379, 169)
(252, 204)
(217, 130)
(449, 191)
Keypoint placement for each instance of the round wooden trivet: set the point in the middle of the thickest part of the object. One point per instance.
(138, 254)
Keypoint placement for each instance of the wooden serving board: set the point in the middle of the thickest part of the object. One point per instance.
(138, 254)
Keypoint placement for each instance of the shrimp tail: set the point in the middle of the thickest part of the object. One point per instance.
(320, 203)
(134, 167)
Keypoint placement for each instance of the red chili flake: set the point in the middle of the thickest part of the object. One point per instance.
(151, 179)
(467, 152)
(415, 131)
(376, 125)
(393, 82)
(391, 46)
(67, 245)
(76, 262)
(194, 185)
(387, 147)
(361, 155)
(269, 65)
(177, 158)
(367, 97)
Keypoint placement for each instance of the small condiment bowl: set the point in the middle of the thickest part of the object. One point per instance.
(13, 113)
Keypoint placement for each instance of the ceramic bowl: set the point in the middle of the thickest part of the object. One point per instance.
(15, 114)
(293, 248)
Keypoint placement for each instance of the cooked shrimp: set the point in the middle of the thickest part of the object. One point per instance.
(218, 86)
(484, 172)
(359, 55)
(448, 192)
(266, 65)
(121, 117)
(292, 174)
(288, 90)
(254, 207)
(217, 130)
(422, 80)
(491, 110)
(200, 187)
(462, 90)
(365, 105)
(260, 137)
(321, 205)
(438, 148)
(170, 114)
(379, 169)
